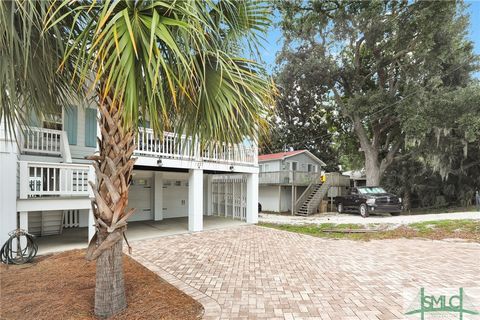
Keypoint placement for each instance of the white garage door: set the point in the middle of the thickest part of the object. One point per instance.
(140, 198)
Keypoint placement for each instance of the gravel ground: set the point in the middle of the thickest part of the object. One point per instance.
(357, 219)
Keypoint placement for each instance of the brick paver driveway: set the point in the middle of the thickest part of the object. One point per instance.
(253, 272)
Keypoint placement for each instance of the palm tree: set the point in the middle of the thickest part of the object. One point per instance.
(29, 58)
(179, 63)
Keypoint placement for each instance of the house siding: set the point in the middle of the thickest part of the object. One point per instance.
(273, 166)
(303, 160)
(268, 198)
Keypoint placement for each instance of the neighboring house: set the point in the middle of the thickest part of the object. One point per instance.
(285, 176)
(44, 178)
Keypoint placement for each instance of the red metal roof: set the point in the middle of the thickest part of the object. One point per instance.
(279, 155)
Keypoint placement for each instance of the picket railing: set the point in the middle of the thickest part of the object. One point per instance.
(46, 179)
(181, 147)
(41, 140)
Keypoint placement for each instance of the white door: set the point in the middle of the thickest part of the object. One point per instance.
(140, 198)
(175, 199)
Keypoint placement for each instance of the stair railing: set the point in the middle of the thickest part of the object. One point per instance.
(308, 191)
(323, 191)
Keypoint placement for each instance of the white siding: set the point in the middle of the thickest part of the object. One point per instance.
(303, 160)
(286, 200)
(268, 198)
(270, 166)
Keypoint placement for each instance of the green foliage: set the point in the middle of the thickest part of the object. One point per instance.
(29, 60)
(179, 62)
(394, 75)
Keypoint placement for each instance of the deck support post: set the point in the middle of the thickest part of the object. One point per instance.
(195, 200)
(252, 198)
(158, 196)
(209, 195)
(91, 224)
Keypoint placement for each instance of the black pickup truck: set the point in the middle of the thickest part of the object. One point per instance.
(368, 200)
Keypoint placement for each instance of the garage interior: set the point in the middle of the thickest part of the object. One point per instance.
(161, 202)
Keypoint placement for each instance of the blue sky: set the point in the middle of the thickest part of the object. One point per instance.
(274, 36)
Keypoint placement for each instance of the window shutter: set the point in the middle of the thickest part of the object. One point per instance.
(71, 119)
(90, 127)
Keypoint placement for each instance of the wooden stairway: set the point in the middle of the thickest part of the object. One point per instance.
(313, 198)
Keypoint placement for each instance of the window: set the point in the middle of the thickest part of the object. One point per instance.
(310, 167)
(371, 190)
(261, 168)
(294, 166)
(53, 120)
(266, 167)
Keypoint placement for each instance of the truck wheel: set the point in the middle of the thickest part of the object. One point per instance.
(339, 208)
(363, 210)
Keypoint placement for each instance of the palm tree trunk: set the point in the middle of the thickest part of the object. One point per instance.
(113, 168)
(109, 288)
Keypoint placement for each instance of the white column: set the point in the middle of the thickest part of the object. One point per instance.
(8, 178)
(158, 196)
(91, 224)
(23, 220)
(252, 198)
(195, 200)
(23, 224)
(209, 195)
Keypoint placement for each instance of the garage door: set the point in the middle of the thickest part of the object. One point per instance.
(175, 199)
(140, 198)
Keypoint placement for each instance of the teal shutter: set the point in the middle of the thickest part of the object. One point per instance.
(71, 119)
(90, 127)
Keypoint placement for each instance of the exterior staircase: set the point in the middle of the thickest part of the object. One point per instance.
(310, 200)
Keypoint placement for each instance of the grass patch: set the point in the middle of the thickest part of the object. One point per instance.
(436, 230)
(442, 210)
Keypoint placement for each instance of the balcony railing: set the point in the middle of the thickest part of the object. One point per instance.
(46, 142)
(41, 140)
(289, 177)
(181, 147)
(46, 179)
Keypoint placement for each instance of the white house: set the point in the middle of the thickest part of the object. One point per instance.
(287, 179)
(44, 178)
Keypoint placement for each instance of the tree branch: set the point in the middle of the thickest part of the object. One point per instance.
(387, 161)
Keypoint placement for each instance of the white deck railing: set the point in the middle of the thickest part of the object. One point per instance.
(288, 177)
(41, 140)
(46, 179)
(46, 142)
(181, 147)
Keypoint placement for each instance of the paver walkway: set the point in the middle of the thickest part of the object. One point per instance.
(356, 218)
(252, 272)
